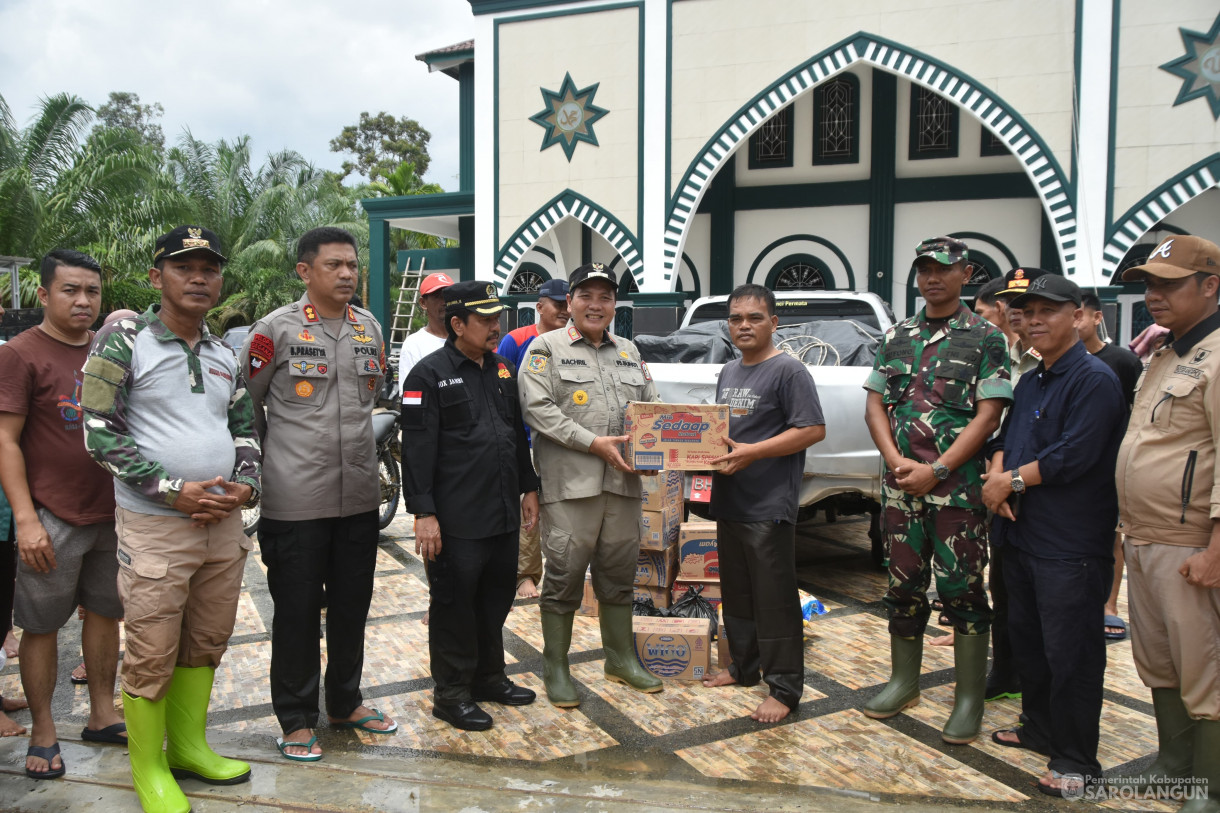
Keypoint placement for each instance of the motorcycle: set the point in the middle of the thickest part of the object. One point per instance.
(389, 455)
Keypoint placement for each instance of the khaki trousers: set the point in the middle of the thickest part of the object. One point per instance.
(1175, 626)
(601, 531)
(180, 586)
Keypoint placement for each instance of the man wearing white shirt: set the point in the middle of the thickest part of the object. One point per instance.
(432, 337)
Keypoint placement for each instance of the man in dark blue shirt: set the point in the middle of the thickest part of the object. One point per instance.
(1051, 486)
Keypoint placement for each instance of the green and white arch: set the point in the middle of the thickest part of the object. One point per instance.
(564, 205)
(999, 117)
(1157, 205)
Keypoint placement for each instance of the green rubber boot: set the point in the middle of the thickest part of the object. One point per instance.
(902, 692)
(186, 718)
(1175, 733)
(970, 666)
(154, 784)
(556, 640)
(1206, 769)
(622, 666)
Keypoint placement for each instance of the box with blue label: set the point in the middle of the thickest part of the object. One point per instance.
(659, 529)
(697, 553)
(661, 491)
(657, 568)
(673, 648)
(678, 437)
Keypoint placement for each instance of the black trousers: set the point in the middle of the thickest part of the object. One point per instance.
(303, 557)
(761, 605)
(472, 583)
(1055, 609)
(1001, 641)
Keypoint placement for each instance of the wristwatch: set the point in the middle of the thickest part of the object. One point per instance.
(1018, 485)
(941, 471)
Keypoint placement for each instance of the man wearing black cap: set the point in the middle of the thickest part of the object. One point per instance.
(1169, 497)
(1023, 356)
(469, 482)
(1054, 500)
(552, 310)
(574, 393)
(936, 393)
(169, 416)
(314, 369)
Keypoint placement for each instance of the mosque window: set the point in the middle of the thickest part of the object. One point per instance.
(528, 279)
(933, 125)
(992, 144)
(836, 125)
(771, 145)
(800, 272)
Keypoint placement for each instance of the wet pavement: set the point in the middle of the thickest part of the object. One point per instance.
(687, 748)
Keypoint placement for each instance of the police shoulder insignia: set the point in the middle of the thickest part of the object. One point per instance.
(311, 313)
(351, 315)
(536, 363)
(573, 333)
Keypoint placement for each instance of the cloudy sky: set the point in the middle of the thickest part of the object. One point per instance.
(289, 73)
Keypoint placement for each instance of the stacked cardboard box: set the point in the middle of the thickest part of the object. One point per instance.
(659, 529)
(662, 490)
(699, 563)
(675, 648)
(659, 521)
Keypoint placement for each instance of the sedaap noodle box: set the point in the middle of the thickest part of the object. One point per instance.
(679, 437)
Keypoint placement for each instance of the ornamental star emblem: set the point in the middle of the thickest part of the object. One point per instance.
(1199, 67)
(568, 116)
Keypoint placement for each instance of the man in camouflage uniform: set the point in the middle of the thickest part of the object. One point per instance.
(169, 417)
(936, 393)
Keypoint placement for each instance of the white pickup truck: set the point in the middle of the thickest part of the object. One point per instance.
(843, 472)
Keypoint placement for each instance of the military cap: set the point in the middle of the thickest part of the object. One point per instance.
(472, 295)
(185, 239)
(945, 250)
(591, 271)
(1178, 257)
(1049, 286)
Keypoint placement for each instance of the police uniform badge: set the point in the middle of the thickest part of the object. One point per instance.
(351, 315)
(304, 389)
(262, 350)
(305, 335)
(311, 314)
(573, 334)
(303, 367)
(1199, 356)
(580, 398)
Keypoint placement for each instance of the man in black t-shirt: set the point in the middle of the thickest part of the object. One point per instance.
(1128, 367)
(774, 415)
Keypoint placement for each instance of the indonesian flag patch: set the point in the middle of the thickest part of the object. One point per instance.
(412, 398)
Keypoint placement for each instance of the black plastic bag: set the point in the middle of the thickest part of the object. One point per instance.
(694, 605)
(644, 606)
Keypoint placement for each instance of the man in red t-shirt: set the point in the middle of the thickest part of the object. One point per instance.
(63, 507)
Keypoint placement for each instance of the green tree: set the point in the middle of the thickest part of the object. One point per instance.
(123, 111)
(381, 143)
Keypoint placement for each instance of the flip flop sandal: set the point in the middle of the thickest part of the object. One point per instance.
(83, 679)
(362, 724)
(1115, 621)
(112, 734)
(47, 752)
(995, 737)
(309, 757)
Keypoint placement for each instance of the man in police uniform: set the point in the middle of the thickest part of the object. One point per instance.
(574, 393)
(936, 393)
(465, 448)
(1169, 506)
(315, 367)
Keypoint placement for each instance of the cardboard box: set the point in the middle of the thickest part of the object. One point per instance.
(659, 595)
(683, 437)
(659, 529)
(673, 648)
(711, 590)
(588, 601)
(657, 568)
(697, 554)
(661, 491)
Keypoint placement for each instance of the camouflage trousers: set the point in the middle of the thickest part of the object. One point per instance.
(923, 539)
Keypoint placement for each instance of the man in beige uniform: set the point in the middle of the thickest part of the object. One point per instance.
(316, 366)
(1169, 506)
(574, 390)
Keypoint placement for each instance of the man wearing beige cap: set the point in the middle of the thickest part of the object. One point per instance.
(1169, 507)
(431, 337)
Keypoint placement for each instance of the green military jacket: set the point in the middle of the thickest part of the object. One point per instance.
(571, 393)
(929, 383)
